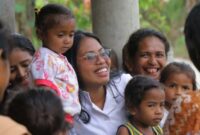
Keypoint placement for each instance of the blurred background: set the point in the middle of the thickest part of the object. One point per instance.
(167, 16)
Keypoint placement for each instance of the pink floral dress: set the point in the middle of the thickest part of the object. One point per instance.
(53, 70)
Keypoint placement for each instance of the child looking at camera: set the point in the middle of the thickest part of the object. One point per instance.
(144, 100)
(177, 78)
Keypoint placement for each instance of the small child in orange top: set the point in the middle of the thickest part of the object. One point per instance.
(177, 78)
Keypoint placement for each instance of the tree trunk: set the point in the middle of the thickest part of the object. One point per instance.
(190, 4)
(113, 21)
(7, 13)
(25, 18)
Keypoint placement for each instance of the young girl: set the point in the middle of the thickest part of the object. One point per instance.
(177, 78)
(186, 120)
(144, 99)
(55, 26)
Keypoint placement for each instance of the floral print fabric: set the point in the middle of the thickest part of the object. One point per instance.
(53, 70)
(184, 116)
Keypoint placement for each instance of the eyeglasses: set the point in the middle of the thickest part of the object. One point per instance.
(93, 56)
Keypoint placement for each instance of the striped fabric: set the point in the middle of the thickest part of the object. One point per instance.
(134, 131)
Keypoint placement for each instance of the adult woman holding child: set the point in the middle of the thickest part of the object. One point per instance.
(101, 98)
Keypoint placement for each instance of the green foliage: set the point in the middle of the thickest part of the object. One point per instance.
(19, 8)
(82, 16)
(25, 25)
(166, 16)
(180, 48)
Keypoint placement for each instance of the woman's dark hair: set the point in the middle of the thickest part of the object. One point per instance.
(178, 67)
(71, 55)
(131, 47)
(192, 35)
(136, 89)
(39, 110)
(4, 45)
(49, 16)
(21, 42)
(115, 69)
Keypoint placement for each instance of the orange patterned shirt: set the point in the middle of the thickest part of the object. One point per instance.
(184, 116)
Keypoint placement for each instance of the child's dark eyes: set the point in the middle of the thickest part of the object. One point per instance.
(12, 69)
(151, 105)
(186, 88)
(162, 104)
(172, 86)
(60, 34)
(71, 35)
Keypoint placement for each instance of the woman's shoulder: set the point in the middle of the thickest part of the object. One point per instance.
(126, 75)
(119, 82)
(122, 77)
